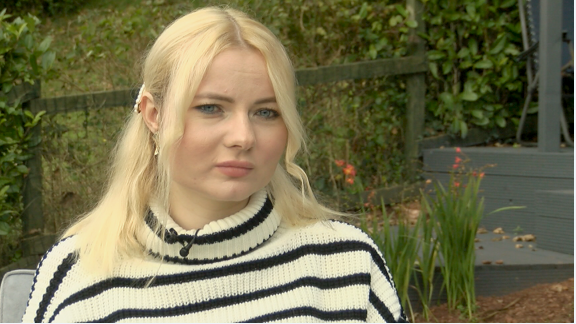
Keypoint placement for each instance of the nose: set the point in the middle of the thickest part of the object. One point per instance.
(240, 133)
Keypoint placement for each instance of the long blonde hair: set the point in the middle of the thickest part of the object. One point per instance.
(172, 72)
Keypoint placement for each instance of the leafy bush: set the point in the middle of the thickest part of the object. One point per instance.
(23, 59)
(471, 50)
(49, 7)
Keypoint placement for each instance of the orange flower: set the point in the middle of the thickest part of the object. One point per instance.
(456, 184)
(481, 175)
(457, 160)
(350, 180)
(349, 170)
(458, 150)
(339, 163)
(474, 173)
(454, 166)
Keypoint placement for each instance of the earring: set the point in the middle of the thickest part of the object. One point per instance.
(138, 99)
(156, 146)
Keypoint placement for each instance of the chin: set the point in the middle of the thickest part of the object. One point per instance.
(235, 194)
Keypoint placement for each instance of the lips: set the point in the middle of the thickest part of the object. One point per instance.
(235, 169)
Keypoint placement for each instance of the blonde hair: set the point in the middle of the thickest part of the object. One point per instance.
(173, 70)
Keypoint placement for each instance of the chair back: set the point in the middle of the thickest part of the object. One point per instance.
(14, 293)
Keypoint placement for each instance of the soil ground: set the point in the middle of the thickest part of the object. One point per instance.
(544, 303)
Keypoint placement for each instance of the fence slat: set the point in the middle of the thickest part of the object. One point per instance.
(362, 70)
(102, 99)
(351, 71)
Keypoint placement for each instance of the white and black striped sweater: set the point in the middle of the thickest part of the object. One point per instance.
(249, 267)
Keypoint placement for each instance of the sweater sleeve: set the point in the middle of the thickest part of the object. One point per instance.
(383, 301)
(49, 274)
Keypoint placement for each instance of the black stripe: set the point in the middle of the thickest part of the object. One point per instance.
(338, 316)
(331, 283)
(381, 308)
(233, 269)
(55, 282)
(375, 255)
(221, 236)
(34, 280)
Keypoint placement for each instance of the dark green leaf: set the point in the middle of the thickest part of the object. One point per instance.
(473, 46)
(469, 96)
(463, 52)
(463, 129)
(4, 228)
(411, 23)
(43, 47)
(433, 69)
(435, 55)
(477, 113)
(402, 11)
(47, 60)
(484, 64)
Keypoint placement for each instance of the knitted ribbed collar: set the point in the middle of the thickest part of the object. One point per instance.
(218, 240)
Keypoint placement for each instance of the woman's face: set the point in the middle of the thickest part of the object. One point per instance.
(234, 135)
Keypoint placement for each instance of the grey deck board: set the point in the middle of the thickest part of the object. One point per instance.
(509, 161)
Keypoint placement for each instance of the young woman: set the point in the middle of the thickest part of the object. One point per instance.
(206, 217)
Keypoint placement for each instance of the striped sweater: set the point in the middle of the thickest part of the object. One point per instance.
(248, 267)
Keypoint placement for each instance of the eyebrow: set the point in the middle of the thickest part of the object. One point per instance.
(216, 96)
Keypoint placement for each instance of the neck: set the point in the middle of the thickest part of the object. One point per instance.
(192, 211)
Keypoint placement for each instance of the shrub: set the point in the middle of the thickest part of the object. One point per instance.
(471, 49)
(43, 7)
(23, 59)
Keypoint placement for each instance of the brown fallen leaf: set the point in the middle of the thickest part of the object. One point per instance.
(528, 238)
(480, 247)
(558, 288)
(499, 262)
(517, 238)
(505, 237)
(498, 230)
(481, 230)
(519, 246)
(486, 262)
(476, 240)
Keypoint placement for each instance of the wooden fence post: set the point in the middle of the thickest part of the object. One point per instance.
(34, 243)
(416, 88)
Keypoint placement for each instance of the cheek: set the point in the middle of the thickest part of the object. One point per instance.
(277, 144)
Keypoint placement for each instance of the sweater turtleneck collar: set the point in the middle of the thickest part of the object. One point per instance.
(217, 241)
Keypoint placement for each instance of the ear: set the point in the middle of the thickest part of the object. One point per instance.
(149, 112)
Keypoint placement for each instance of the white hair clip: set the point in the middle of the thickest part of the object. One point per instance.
(139, 99)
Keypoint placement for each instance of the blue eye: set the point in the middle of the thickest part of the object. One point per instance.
(267, 113)
(208, 109)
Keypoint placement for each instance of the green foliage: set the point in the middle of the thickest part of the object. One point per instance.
(23, 59)
(40, 7)
(471, 50)
(457, 211)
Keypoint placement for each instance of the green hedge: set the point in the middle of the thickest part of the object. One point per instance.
(43, 7)
(24, 58)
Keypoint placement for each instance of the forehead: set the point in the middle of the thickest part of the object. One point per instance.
(238, 73)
